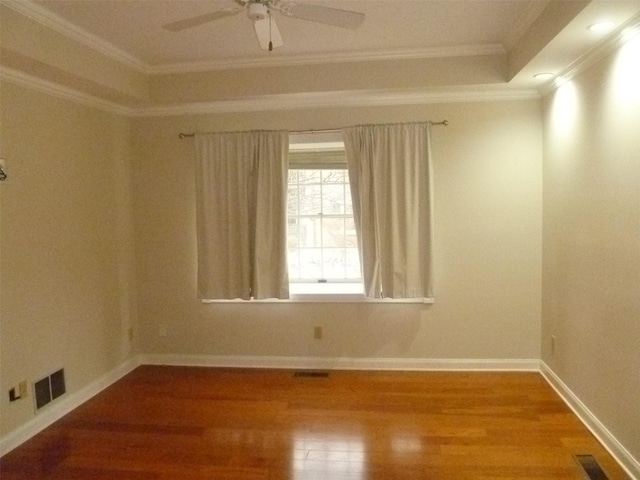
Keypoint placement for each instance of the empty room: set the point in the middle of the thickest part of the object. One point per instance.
(321, 239)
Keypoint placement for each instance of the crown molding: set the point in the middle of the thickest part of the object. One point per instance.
(342, 99)
(607, 46)
(278, 102)
(330, 57)
(55, 22)
(56, 90)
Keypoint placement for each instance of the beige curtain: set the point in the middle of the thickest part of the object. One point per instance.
(390, 177)
(241, 195)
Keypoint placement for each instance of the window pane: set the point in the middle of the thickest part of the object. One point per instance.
(333, 199)
(293, 261)
(333, 232)
(333, 176)
(348, 205)
(353, 263)
(350, 237)
(310, 263)
(310, 200)
(322, 242)
(292, 200)
(309, 176)
(334, 262)
(292, 233)
(310, 232)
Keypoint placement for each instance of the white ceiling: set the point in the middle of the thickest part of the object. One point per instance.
(523, 37)
(390, 26)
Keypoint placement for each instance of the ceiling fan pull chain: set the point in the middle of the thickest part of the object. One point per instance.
(270, 42)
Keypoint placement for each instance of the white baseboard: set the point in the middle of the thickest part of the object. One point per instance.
(67, 403)
(344, 363)
(606, 438)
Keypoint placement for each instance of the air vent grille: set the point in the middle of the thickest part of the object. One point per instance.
(49, 388)
(311, 373)
(591, 467)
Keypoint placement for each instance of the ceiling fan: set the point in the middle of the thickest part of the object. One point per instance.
(259, 12)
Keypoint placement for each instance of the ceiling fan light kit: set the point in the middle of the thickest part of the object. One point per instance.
(259, 12)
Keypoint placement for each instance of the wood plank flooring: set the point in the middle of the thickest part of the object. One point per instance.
(165, 423)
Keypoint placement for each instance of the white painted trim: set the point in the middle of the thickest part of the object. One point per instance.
(58, 24)
(324, 298)
(291, 101)
(56, 90)
(66, 404)
(332, 57)
(361, 98)
(343, 363)
(630, 464)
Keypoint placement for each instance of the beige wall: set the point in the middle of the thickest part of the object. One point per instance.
(591, 281)
(487, 245)
(66, 244)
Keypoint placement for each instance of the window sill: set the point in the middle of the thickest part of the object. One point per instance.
(328, 298)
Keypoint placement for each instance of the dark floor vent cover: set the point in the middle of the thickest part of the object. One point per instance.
(57, 384)
(42, 392)
(49, 388)
(311, 373)
(591, 467)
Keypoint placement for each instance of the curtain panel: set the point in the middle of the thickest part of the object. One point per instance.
(241, 200)
(390, 177)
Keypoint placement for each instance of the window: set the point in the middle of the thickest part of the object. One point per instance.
(322, 244)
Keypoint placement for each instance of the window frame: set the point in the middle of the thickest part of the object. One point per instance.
(322, 155)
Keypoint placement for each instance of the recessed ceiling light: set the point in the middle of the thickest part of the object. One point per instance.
(543, 76)
(602, 27)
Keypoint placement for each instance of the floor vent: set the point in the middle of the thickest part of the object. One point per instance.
(49, 388)
(591, 467)
(311, 373)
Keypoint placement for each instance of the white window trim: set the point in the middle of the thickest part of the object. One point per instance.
(325, 298)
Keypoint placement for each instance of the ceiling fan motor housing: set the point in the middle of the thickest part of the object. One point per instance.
(257, 11)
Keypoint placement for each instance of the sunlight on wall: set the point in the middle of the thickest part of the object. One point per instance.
(564, 109)
(625, 79)
(621, 98)
(563, 127)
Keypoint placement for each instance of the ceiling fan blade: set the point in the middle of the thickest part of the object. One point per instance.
(267, 31)
(200, 19)
(328, 15)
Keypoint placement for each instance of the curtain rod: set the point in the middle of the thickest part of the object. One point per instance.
(300, 132)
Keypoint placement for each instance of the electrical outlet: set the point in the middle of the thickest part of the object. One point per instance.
(317, 333)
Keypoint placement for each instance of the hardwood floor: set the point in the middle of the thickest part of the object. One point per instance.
(230, 424)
